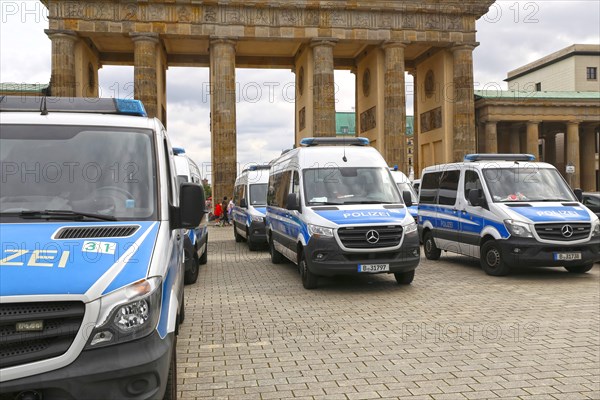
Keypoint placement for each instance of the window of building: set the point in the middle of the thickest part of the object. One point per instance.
(538, 87)
(592, 73)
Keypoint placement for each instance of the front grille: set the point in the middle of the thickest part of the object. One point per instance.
(555, 231)
(91, 232)
(61, 322)
(356, 237)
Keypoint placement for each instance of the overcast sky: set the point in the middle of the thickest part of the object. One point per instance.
(512, 34)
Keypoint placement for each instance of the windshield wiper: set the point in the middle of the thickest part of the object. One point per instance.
(369, 202)
(64, 214)
(325, 203)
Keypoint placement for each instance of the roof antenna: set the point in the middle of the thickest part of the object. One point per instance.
(43, 106)
(344, 159)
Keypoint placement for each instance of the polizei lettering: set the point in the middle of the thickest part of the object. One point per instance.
(558, 213)
(360, 214)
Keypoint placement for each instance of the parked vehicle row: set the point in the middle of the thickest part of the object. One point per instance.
(91, 271)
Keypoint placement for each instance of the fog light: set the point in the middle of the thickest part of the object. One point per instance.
(320, 256)
(101, 337)
(415, 252)
(516, 250)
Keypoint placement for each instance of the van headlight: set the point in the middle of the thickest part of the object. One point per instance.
(257, 218)
(317, 230)
(596, 228)
(410, 228)
(518, 229)
(127, 314)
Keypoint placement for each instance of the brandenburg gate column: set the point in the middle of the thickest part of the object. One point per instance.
(323, 87)
(145, 72)
(572, 145)
(533, 139)
(223, 121)
(588, 158)
(464, 102)
(491, 137)
(394, 106)
(63, 80)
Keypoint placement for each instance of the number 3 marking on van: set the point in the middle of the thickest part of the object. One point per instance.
(99, 247)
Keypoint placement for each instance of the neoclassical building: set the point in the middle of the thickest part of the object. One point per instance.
(378, 40)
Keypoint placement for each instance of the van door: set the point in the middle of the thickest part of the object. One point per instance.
(447, 215)
(471, 217)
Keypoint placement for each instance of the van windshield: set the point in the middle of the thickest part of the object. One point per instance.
(349, 186)
(258, 194)
(529, 183)
(108, 172)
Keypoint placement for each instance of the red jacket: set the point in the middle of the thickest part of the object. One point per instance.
(218, 210)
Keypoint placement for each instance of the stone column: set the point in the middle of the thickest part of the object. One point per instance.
(572, 145)
(223, 121)
(323, 87)
(491, 137)
(145, 73)
(533, 138)
(416, 123)
(394, 106)
(63, 80)
(588, 158)
(464, 102)
(515, 139)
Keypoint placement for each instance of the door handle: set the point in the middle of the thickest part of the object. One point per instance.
(178, 237)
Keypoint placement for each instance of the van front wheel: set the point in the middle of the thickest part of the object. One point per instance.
(492, 261)
(171, 392)
(309, 280)
(431, 250)
(276, 257)
(579, 269)
(405, 278)
(238, 237)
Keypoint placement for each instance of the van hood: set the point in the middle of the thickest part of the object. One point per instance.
(361, 214)
(548, 212)
(34, 262)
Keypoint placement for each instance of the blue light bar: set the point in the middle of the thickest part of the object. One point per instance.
(334, 141)
(257, 167)
(178, 151)
(72, 105)
(130, 107)
(499, 157)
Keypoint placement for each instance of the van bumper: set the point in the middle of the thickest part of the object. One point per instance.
(133, 370)
(258, 232)
(335, 261)
(518, 252)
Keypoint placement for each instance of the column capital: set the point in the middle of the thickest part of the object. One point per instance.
(464, 46)
(394, 43)
(230, 40)
(144, 37)
(574, 122)
(533, 122)
(331, 42)
(61, 33)
(487, 120)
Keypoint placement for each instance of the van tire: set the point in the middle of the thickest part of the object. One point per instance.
(252, 246)
(309, 280)
(236, 235)
(491, 259)
(191, 269)
(204, 258)
(580, 269)
(431, 250)
(171, 391)
(276, 257)
(405, 278)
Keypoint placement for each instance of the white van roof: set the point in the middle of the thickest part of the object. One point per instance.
(330, 156)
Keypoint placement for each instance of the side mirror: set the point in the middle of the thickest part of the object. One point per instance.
(407, 198)
(476, 198)
(191, 206)
(243, 203)
(293, 202)
(579, 195)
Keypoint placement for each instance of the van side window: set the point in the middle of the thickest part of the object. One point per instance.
(449, 188)
(472, 182)
(169, 165)
(279, 185)
(429, 188)
(296, 183)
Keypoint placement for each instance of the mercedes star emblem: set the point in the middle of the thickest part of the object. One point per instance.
(567, 231)
(372, 236)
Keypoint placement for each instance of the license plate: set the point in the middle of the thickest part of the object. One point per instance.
(373, 267)
(567, 256)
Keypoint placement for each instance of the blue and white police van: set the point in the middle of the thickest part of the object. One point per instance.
(333, 209)
(508, 211)
(250, 206)
(195, 244)
(404, 185)
(91, 263)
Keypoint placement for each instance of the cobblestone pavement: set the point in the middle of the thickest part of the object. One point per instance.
(252, 331)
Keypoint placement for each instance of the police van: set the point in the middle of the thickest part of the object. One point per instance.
(333, 209)
(91, 263)
(250, 204)
(195, 243)
(404, 185)
(508, 211)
